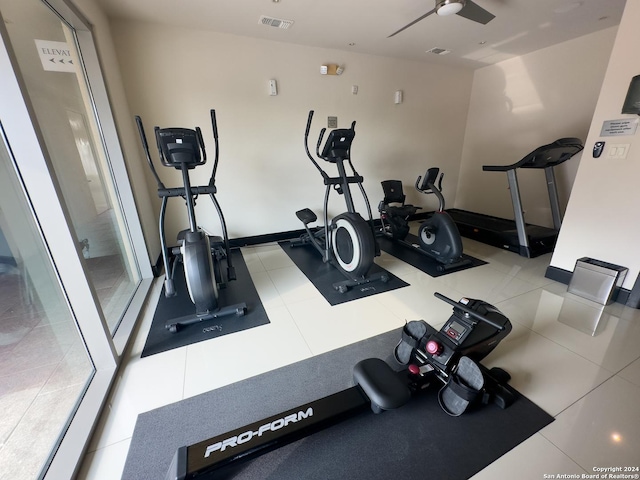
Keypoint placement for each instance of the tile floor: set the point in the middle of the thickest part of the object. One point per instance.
(577, 360)
(44, 367)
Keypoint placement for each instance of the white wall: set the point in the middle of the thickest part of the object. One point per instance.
(520, 104)
(174, 76)
(602, 216)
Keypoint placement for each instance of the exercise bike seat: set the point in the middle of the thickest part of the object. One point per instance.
(393, 193)
(381, 384)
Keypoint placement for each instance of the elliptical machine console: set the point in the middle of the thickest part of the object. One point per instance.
(348, 240)
(200, 254)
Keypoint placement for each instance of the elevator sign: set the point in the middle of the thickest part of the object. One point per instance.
(55, 56)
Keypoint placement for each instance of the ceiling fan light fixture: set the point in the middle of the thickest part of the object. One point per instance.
(449, 7)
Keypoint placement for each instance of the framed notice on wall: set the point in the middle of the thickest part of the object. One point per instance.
(615, 128)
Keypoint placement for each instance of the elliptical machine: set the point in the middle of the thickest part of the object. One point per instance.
(438, 236)
(348, 241)
(200, 254)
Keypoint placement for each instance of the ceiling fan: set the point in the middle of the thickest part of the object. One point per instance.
(464, 8)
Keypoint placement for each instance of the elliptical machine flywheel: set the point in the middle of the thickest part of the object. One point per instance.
(200, 254)
(348, 240)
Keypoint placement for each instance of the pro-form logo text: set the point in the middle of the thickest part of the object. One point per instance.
(267, 427)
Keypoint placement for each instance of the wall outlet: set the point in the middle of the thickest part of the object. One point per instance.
(332, 122)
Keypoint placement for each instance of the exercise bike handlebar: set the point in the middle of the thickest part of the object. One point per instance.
(468, 311)
(431, 188)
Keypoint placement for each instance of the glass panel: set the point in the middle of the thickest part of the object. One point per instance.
(44, 47)
(44, 366)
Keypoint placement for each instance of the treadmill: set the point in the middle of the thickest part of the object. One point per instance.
(515, 235)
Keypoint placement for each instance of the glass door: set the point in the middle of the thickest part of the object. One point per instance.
(44, 47)
(74, 269)
(44, 365)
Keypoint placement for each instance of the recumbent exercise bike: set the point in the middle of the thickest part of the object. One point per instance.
(347, 241)
(438, 236)
(200, 254)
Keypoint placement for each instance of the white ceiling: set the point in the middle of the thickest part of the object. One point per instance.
(520, 26)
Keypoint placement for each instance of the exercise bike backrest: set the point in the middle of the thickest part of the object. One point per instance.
(431, 184)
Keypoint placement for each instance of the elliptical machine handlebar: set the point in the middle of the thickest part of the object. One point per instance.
(145, 145)
(200, 140)
(325, 176)
(306, 144)
(320, 137)
(214, 126)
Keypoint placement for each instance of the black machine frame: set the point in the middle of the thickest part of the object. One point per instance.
(200, 254)
(347, 241)
(516, 235)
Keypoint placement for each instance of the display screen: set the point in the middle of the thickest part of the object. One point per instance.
(457, 327)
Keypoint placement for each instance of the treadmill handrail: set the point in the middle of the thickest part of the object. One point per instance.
(542, 157)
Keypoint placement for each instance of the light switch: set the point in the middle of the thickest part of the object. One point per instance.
(619, 151)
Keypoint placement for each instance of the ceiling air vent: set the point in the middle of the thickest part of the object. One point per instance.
(275, 22)
(439, 51)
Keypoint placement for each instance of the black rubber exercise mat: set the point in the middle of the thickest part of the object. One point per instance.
(417, 441)
(324, 275)
(240, 290)
(419, 260)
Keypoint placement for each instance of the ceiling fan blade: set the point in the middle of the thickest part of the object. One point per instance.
(475, 12)
(413, 23)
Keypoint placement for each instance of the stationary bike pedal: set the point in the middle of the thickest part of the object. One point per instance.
(306, 216)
